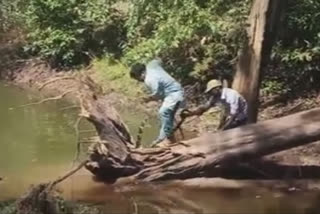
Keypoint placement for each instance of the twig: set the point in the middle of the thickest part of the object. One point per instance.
(289, 110)
(87, 142)
(295, 107)
(178, 127)
(140, 131)
(147, 151)
(62, 178)
(47, 99)
(76, 127)
(135, 206)
(86, 131)
(90, 140)
(69, 107)
(54, 80)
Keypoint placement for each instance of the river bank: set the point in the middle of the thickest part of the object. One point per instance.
(33, 74)
(122, 91)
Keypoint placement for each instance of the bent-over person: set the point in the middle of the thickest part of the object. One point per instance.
(162, 87)
(234, 106)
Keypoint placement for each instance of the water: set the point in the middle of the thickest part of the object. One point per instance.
(38, 143)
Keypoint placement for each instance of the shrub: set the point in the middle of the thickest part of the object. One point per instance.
(69, 32)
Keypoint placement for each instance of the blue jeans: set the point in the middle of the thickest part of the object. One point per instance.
(167, 112)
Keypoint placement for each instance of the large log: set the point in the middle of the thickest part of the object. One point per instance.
(114, 156)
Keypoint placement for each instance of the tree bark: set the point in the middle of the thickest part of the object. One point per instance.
(115, 155)
(263, 22)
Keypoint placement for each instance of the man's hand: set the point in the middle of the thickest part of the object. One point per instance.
(148, 99)
(227, 122)
(185, 113)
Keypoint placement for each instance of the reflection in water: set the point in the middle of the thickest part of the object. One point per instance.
(35, 141)
(38, 144)
(168, 197)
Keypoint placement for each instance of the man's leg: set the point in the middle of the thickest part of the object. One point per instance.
(167, 111)
(166, 118)
(236, 124)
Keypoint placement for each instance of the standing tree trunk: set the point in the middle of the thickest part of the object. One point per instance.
(263, 21)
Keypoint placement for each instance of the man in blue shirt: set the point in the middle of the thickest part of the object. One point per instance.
(163, 87)
(233, 104)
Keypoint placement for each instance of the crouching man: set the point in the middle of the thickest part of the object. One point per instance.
(234, 106)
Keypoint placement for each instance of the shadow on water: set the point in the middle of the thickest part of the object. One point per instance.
(38, 144)
(267, 170)
(196, 196)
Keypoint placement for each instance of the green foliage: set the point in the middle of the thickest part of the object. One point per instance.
(113, 75)
(68, 32)
(191, 36)
(196, 39)
(295, 57)
(273, 87)
(9, 14)
(300, 38)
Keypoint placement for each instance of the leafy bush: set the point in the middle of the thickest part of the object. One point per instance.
(191, 36)
(9, 14)
(197, 39)
(114, 75)
(68, 32)
(296, 55)
(300, 37)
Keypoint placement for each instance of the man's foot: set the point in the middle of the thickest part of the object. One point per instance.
(165, 143)
(154, 143)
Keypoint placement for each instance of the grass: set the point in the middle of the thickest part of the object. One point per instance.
(114, 76)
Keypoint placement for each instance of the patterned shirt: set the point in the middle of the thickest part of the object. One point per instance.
(232, 101)
(160, 83)
(235, 103)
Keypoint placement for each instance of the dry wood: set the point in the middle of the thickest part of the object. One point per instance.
(196, 157)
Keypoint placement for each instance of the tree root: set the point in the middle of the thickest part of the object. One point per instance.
(40, 200)
(76, 127)
(55, 80)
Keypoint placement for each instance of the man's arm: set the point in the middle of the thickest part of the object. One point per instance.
(154, 87)
(229, 119)
(223, 117)
(200, 109)
(149, 98)
(229, 114)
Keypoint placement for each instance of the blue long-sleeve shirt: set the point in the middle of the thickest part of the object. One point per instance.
(160, 83)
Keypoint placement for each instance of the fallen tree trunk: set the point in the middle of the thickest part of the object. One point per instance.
(115, 155)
